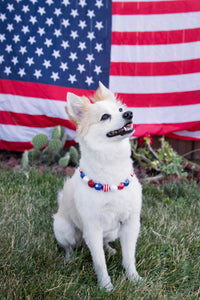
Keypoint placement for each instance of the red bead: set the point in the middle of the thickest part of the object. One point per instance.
(106, 187)
(132, 174)
(91, 183)
(121, 186)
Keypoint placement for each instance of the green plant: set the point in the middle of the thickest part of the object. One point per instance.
(164, 160)
(50, 151)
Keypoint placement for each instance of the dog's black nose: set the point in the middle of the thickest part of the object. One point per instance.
(128, 115)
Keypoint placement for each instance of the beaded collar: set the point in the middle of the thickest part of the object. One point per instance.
(105, 187)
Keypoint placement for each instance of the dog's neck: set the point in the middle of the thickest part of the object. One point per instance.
(111, 162)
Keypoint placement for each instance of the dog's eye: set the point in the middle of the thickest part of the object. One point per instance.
(105, 117)
(120, 109)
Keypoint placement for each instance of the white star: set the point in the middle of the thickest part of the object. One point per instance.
(1, 59)
(23, 50)
(54, 76)
(99, 3)
(8, 48)
(10, 7)
(82, 3)
(57, 32)
(72, 78)
(37, 74)
(90, 14)
(89, 80)
(47, 63)
(97, 70)
(49, 21)
(82, 45)
(2, 37)
(90, 57)
(31, 40)
(25, 29)
(65, 2)
(41, 11)
(73, 56)
(65, 44)
(30, 61)
(99, 25)
(3, 17)
(74, 13)
(49, 2)
(21, 72)
(82, 24)
(90, 36)
(25, 8)
(39, 51)
(48, 42)
(17, 18)
(15, 60)
(16, 38)
(56, 53)
(41, 31)
(74, 34)
(33, 1)
(65, 23)
(33, 20)
(10, 27)
(81, 68)
(63, 66)
(57, 12)
(7, 71)
(99, 47)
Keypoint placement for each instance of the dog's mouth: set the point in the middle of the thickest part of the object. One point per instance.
(126, 129)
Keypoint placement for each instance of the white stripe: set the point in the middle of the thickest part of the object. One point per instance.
(155, 53)
(33, 106)
(186, 133)
(25, 134)
(160, 22)
(167, 114)
(155, 84)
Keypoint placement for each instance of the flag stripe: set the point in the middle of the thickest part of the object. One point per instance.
(156, 37)
(160, 100)
(159, 7)
(187, 135)
(168, 22)
(155, 53)
(155, 69)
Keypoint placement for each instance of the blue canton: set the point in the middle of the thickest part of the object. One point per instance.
(64, 43)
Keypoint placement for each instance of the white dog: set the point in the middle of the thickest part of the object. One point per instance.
(102, 201)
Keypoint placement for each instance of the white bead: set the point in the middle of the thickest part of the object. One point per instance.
(113, 188)
(86, 179)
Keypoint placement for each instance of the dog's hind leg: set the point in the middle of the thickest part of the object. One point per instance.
(65, 234)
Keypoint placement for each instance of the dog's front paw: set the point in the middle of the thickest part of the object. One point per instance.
(135, 277)
(108, 286)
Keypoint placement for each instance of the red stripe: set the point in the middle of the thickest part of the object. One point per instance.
(160, 100)
(22, 146)
(155, 69)
(156, 37)
(163, 129)
(39, 90)
(41, 121)
(157, 7)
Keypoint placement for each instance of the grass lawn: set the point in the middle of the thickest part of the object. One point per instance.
(32, 266)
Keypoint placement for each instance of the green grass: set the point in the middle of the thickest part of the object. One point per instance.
(32, 266)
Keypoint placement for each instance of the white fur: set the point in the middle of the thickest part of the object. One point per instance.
(96, 216)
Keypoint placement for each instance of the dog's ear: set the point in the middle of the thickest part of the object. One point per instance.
(102, 93)
(76, 106)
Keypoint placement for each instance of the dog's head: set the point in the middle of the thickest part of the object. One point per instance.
(104, 120)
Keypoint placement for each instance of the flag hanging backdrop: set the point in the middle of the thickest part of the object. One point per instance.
(147, 52)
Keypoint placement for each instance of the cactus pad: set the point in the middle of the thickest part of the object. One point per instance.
(39, 141)
(64, 161)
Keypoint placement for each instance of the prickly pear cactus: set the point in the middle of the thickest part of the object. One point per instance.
(33, 154)
(57, 132)
(64, 161)
(25, 160)
(74, 155)
(64, 137)
(39, 141)
(54, 146)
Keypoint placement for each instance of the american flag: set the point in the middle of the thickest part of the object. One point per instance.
(147, 52)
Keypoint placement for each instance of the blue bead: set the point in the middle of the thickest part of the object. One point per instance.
(82, 174)
(126, 182)
(98, 186)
